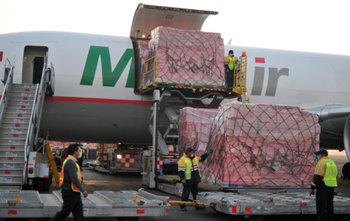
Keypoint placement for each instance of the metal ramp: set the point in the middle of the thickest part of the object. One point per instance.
(20, 113)
(31, 204)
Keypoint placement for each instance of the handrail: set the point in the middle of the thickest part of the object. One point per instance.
(52, 78)
(35, 116)
(5, 91)
(149, 67)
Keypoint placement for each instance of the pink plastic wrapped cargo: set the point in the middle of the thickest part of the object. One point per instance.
(188, 57)
(262, 146)
(194, 128)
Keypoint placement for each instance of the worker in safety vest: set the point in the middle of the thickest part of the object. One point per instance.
(229, 69)
(188, 169)
(71, 186)
(324, 181)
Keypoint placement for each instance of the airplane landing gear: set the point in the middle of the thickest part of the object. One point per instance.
(346, 170)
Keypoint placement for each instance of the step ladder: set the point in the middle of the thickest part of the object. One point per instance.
(20, 113)
(13, 133)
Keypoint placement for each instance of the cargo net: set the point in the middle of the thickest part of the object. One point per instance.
(194, 128)
(188, 57)
(142, 55)
(262, 146)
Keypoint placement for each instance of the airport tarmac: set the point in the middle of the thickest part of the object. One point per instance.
(132, 181)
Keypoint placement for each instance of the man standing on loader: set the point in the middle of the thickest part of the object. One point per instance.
(188, 169)
(230, 69)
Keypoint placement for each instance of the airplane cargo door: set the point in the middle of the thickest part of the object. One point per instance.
(33, 61)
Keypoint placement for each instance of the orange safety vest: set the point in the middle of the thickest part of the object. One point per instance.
(74, 188)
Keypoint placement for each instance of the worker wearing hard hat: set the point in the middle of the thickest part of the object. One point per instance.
(229, 69)
(71, 185)
(324, 181)
(188, 169)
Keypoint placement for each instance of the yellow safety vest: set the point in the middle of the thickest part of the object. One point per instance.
(189, 167)
(74, 188)
(330, 177)
(231, 62)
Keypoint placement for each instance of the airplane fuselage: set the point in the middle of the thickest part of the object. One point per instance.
(94, 96)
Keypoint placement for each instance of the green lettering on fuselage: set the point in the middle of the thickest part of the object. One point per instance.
(109, 78)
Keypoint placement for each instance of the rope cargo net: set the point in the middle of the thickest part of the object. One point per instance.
(261, 146)
(143, 55)
(194, 128)
(187, 57)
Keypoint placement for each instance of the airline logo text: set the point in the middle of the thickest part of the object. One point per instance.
(274, 75)
(109, 77)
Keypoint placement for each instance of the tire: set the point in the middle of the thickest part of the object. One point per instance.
(255, 218)
(128, 218)
(58, 163)
(342, 217)
(346, 170)
(46, 183)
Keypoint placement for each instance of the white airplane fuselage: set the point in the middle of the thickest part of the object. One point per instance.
(104, 108)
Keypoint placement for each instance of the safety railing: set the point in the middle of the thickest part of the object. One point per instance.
(240, 76)
(149, 73)
(4, 97)
(51, 82)
(35, 117)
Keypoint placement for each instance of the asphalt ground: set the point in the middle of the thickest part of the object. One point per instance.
(94, 180)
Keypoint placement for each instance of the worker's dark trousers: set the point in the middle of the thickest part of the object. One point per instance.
(189, 187)
(229, 78)
(324, 204)
(71, 203)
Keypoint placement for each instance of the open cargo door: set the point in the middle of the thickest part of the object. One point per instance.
(148, 17)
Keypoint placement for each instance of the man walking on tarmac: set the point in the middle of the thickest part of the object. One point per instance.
(324, 181)
(229, 69)
(188, 168)
(71, 186)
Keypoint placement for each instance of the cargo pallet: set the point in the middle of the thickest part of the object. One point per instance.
(260, 202)
(31, 204)
(255, 203)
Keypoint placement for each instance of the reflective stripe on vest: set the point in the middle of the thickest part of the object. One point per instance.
(189, 167)
(74, 188)
(231, 64)
(330, 177)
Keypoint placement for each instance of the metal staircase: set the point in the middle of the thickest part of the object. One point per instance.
(20, 113)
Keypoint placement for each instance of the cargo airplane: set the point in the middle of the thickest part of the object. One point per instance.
(95, 97)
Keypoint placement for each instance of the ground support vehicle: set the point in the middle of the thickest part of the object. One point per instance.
(24, 158)
(31, 204)
(116, 159)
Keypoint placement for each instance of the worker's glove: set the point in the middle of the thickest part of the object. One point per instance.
(183, 181)
(312, 192)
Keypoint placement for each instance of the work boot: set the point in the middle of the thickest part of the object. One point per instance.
(183, 208)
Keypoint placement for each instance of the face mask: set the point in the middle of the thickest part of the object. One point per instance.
(80, 154)
(318, 157)
(231, 55)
